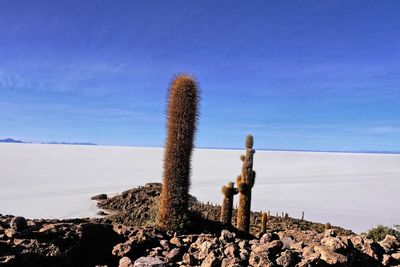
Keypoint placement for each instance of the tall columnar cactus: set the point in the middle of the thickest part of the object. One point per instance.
(181, 127)
(264, 221)
(227, 205)
(245, 183)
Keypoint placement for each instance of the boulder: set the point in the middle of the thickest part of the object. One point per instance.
(230, 262)
(176, 241)
(244, 244)
(11, 233)
(157, 251)
(174, 255)
(331, 257)
(260, 260)
(188, 259)
(47, 228)
(18, 223)
(330, 233)
(287, 242)
(274, 247)
(389, 243)
(148, 262)
(297, 246)
(268, 237)
(231, 250)
(125, 262)
(369, 247)
(206, 247)
(334, 244)
(211, 260)
(396, 256)
(310, 260)
(388, 260)
(227, 236)
(99, 197)
(165, 245)
(286, 259)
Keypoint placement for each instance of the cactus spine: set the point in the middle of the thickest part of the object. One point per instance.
(245, 183)
(227, 205)
(181, 127)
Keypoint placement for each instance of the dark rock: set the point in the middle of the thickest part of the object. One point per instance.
(388, 260)
(211, 260)
(156, 252)
(268, 237)
(188, 259)
(260, 260)
(227, 236)
(243, 254)
(231, 250)
(174, 255)
(230, 262)
(97, 242)
(396, 256)
(18, 223)
(8, 260)
(139, 241)
(286, 259)
(367, 247)
(99, 197)
(274, 247)
(165, 245)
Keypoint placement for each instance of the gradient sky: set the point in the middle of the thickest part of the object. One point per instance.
(315, 75)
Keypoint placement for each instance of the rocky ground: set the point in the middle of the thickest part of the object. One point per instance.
(126, 237)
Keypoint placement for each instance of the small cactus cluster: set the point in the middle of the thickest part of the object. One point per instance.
(245, 183)
(228, 191)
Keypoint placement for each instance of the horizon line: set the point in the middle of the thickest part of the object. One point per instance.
(211, 147)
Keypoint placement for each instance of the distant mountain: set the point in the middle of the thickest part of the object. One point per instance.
(10, 140)
(66, 143)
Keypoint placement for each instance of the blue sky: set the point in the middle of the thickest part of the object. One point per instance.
(315, 75)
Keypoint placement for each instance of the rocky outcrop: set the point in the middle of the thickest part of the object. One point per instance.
(108, 242)
(78, 242)
(86, 242)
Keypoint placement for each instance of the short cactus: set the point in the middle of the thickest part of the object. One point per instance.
(181, 126)
(328, 226)
(227, 205)
(245, 183)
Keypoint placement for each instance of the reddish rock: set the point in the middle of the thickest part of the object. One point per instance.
(125, 262)
(390, 243)
(331, 257)
(148, 262)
